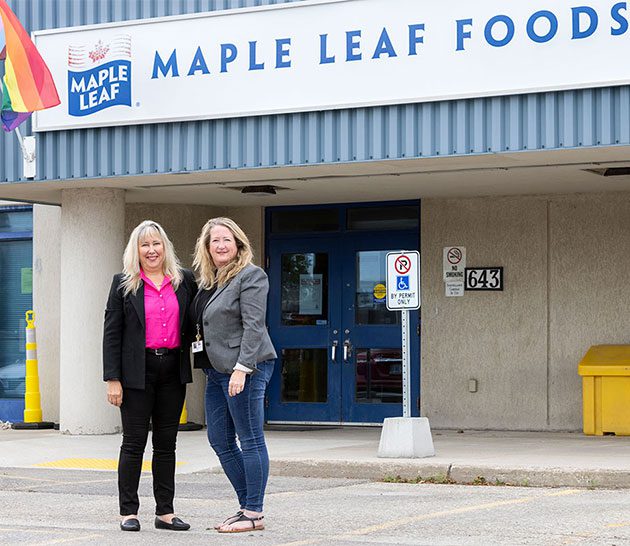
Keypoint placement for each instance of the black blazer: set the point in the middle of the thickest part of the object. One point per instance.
(124, 335)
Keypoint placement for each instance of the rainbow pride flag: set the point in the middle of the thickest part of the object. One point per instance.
(27, 85)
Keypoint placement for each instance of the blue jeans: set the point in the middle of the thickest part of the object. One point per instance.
(243, 415)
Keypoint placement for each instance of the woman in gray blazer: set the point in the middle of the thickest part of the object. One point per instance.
(234, 349)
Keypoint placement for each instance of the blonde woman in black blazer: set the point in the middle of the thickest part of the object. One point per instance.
(146, 363)
(237, 356)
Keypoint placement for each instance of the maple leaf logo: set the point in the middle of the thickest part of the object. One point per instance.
(99, 52)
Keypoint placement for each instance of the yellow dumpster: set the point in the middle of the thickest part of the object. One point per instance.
(605, 371)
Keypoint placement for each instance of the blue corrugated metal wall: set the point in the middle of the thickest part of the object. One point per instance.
(590, 117)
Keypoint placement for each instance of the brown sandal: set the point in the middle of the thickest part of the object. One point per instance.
(228, 520)
(243, 517)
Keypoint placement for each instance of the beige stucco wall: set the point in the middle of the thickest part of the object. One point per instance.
(589, 291)
(46, 287)
(496, 338)
(563, 263)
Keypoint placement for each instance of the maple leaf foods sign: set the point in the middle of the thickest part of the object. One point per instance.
(328, 54)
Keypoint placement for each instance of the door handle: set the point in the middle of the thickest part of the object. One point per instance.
(347, 351)
(333, 351)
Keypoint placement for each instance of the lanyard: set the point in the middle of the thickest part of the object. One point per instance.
(199, 312)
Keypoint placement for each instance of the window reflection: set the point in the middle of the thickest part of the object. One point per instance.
(304, 289)
(304, 375)
(379, 376)
(16, 289)
(370, 299)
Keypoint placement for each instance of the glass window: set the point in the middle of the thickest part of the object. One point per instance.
(304, 220)
(370, 298)
(15, 221)
(304, 375)
(15, 300)
(383, 218)
(304, 289)
(379, 376)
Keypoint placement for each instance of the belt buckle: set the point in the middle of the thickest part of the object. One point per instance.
(161, 351)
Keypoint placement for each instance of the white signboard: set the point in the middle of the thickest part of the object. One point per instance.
(403, 280)
(311, 294)
(328, 54)
(454, 263)
(454, 289)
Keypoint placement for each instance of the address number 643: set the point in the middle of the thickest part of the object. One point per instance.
(483, 278)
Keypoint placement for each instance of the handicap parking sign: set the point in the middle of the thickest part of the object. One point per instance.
(402, 282)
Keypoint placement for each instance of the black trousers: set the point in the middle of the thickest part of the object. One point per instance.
(161, 403)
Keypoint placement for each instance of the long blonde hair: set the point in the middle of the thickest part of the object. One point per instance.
(209, 274)
(131, 257)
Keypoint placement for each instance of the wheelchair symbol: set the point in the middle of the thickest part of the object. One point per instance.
(402, 282)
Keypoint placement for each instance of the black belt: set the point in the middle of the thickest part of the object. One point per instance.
(162, 351)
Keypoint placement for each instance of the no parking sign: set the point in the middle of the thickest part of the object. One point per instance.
(403, 280)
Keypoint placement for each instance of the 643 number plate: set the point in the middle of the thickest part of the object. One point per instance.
(483, 278)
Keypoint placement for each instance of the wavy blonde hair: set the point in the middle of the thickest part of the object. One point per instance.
(131, 257)
(209, 274)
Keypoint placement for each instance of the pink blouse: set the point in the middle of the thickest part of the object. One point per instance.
(161, 314)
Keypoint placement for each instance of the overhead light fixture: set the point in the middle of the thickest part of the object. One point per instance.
(259, 190)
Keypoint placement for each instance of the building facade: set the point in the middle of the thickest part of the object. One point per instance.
(394, 137)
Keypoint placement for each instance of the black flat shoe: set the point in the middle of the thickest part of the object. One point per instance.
(175, 525)
(130, 525)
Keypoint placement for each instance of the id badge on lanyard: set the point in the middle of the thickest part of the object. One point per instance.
(197, 345)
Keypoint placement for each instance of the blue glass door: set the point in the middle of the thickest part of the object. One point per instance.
(304, 313)
(339, 348)
(371, 378)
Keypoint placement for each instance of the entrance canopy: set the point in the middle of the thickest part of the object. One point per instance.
(541, 172)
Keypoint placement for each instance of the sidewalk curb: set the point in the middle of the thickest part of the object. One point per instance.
(412, 469)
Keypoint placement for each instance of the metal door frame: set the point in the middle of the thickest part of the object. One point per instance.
(313, 236)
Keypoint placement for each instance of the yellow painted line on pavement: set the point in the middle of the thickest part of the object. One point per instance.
(92, 464)
(615, 525)
(430, 515)
(462, 510)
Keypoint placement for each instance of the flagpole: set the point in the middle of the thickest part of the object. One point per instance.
(19, 137)
(28, 156)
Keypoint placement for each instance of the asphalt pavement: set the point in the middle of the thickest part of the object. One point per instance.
(327, 486)
(51, 506)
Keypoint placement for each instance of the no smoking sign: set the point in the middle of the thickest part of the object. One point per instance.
(454, 263)
(454, 255)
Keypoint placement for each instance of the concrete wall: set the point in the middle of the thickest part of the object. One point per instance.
(46, 287)
(588, 290)
(92, 241)
(564, 291)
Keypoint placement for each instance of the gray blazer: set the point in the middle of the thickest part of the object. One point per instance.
(234, 327)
